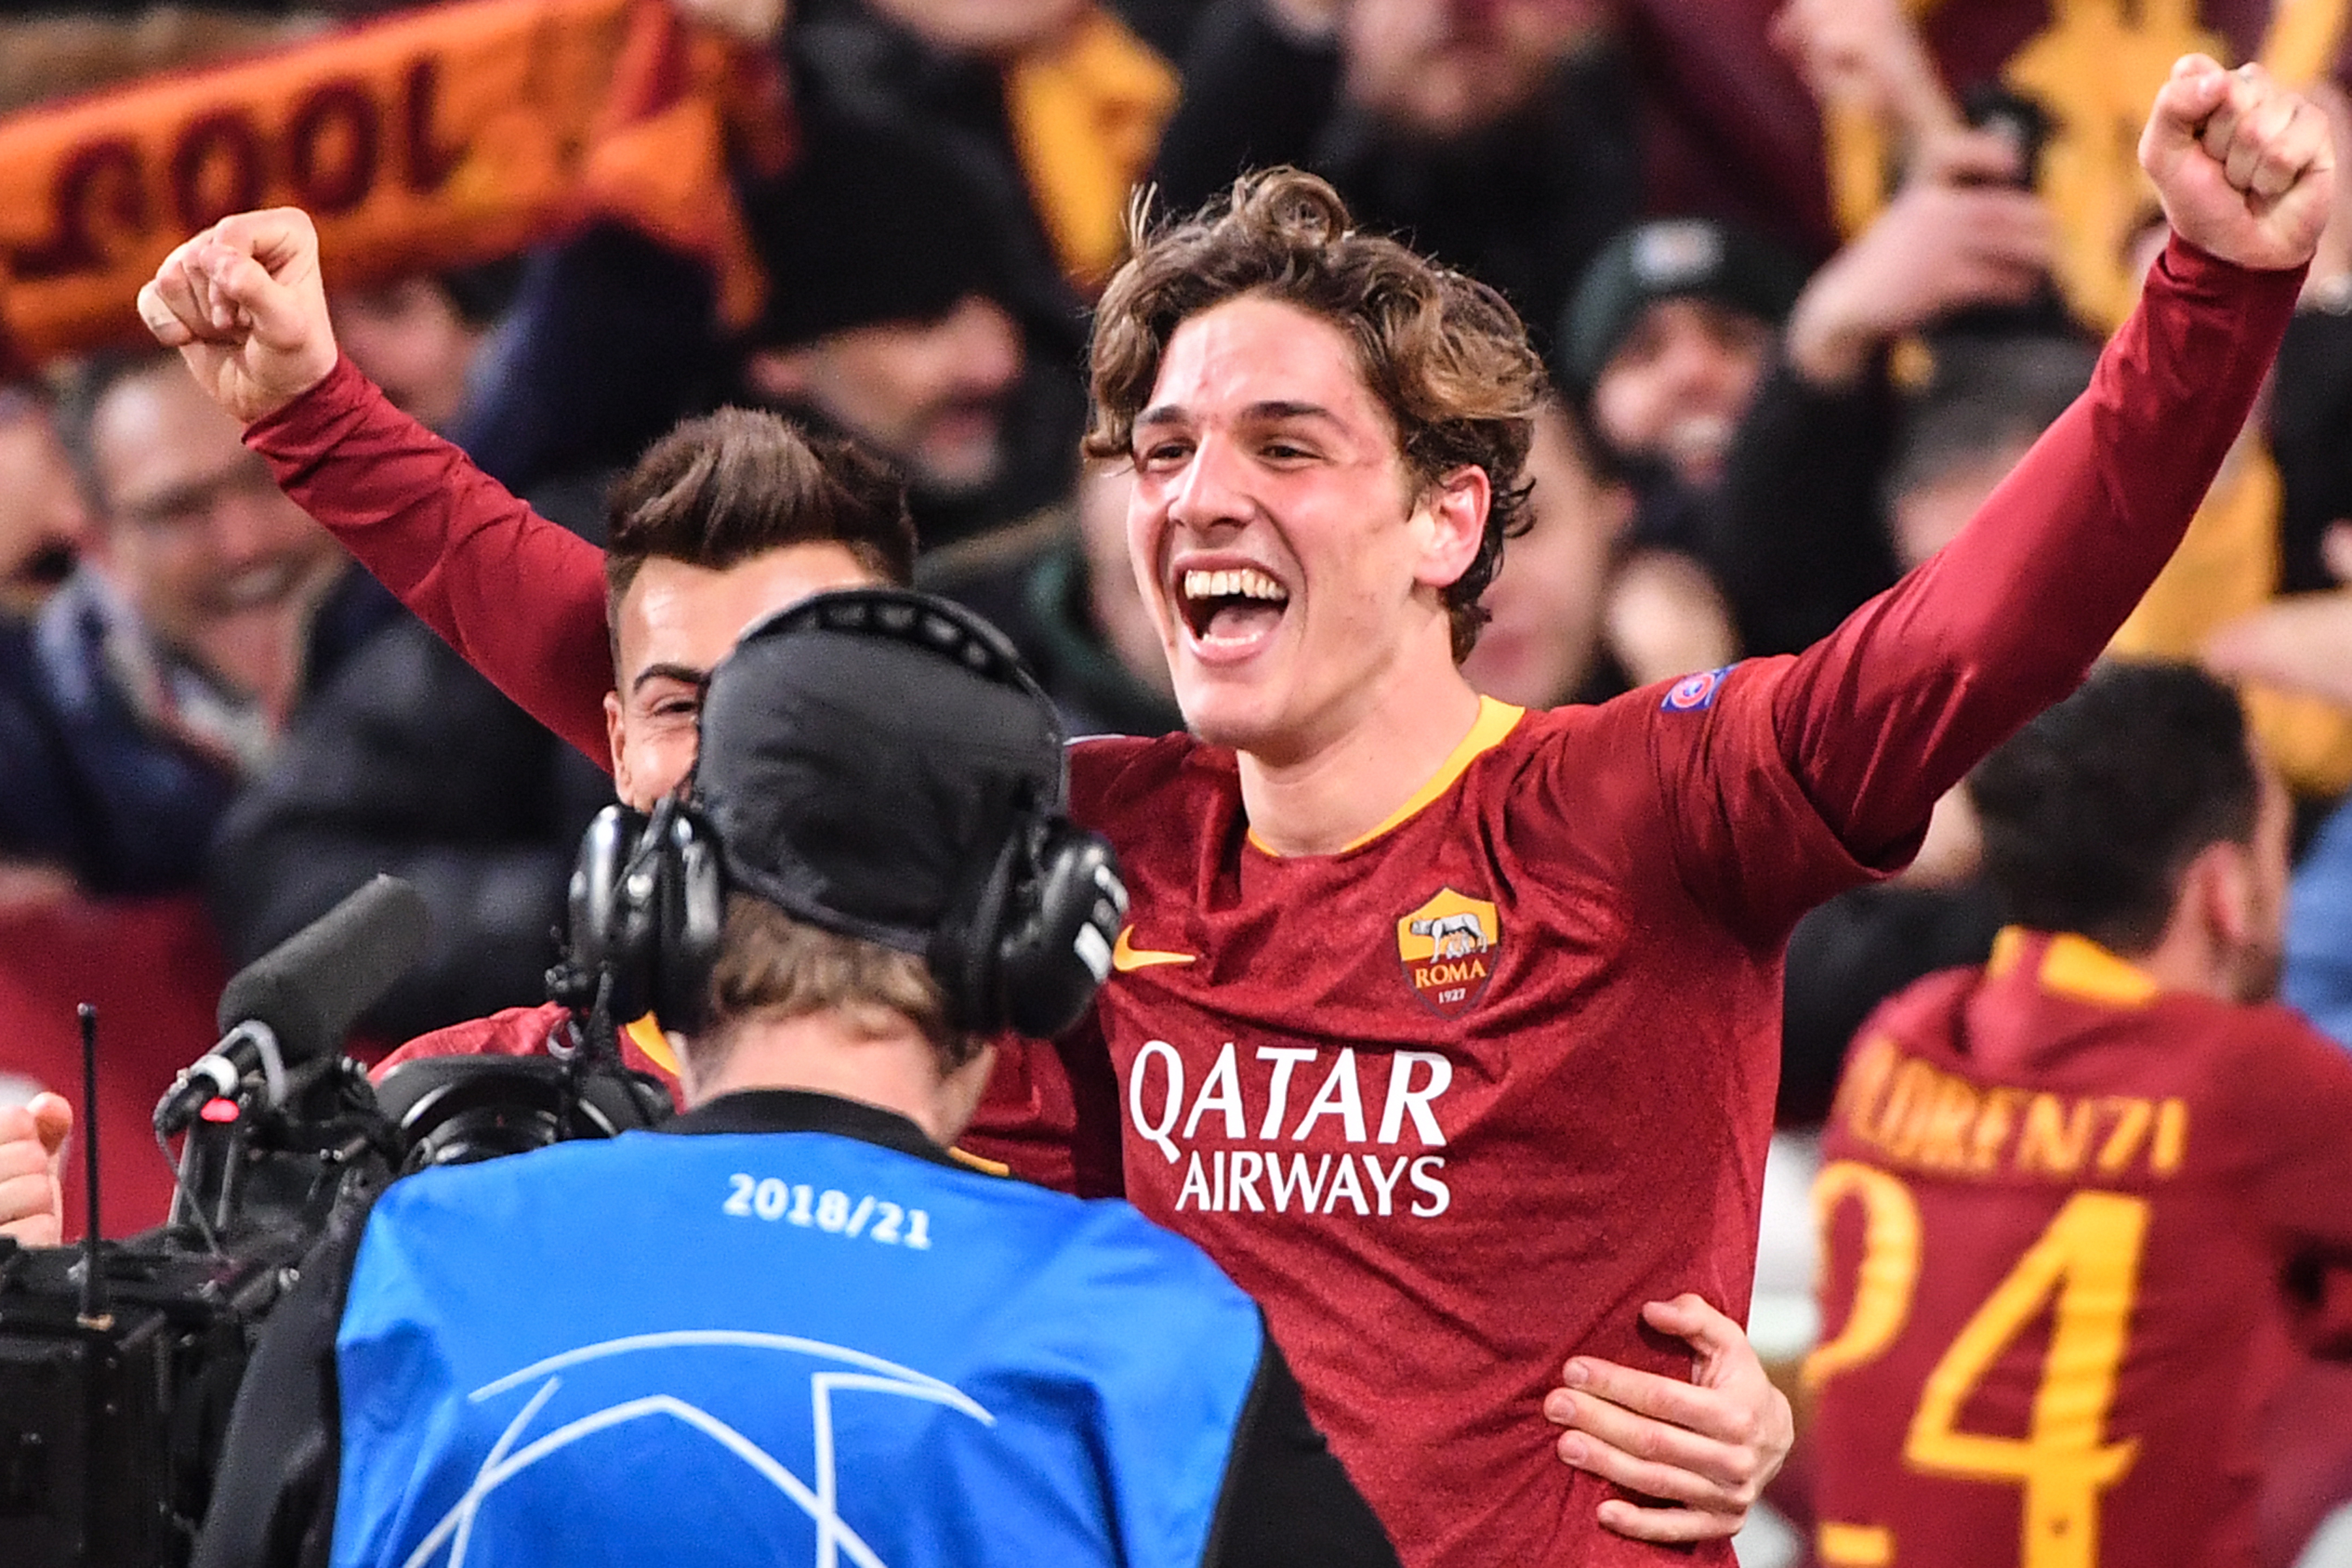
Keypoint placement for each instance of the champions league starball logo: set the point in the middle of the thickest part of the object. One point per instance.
(1449, 947)
(537, 1434)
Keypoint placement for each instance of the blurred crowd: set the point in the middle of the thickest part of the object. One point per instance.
(1810, 275)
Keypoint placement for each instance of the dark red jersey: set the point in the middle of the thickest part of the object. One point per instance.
(1455, 1101)
(526, 1032)
(2058, 1206)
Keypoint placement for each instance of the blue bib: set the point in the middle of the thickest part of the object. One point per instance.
(755, 1350)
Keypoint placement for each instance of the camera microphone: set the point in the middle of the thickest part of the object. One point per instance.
(294, 1004)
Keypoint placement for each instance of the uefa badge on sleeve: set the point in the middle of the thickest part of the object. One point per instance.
(1449, 947)
(1695, 694)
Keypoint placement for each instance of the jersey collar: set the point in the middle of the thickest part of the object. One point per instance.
(803, 1111)
(1495, 720)
(2071, 965)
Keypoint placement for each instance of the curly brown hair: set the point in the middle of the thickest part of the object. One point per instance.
(1445, 354)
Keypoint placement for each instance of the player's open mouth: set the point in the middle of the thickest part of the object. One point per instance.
(1231, 607)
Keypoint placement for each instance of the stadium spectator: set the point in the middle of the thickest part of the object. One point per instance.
(1074, 1384)
(1730, 128)
(417, 337)
(1797, 530)
(1499, 136)
(1794, 547)
(2107, 1125)
(44, 526)
(1662, 345)
(1066, 596)
(1049, 111)
(876, 329)
(1547, 642)
(44, 518)
(161, 677)
(1665, 337)
(933, 354)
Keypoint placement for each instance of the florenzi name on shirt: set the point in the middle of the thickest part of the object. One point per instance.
(1917, 1115)
(1287, 1105)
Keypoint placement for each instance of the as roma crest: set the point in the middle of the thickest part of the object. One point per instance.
(1449, 947)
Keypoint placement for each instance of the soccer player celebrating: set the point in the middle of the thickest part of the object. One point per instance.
(1449, 1030)
(2066, 1195)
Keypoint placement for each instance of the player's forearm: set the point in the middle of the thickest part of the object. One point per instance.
(522, 599)
(1895, 706)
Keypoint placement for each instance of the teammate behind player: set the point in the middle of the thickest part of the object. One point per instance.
(1449, 1030)
(2062, 1192)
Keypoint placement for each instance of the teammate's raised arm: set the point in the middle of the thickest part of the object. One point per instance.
(243, 303)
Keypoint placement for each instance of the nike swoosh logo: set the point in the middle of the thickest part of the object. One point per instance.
(1124, 957)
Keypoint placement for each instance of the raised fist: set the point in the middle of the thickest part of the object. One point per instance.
(243, 303)
(2245, 169)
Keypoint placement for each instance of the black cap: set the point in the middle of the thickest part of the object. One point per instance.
(1670, 258)
(872, 224)
(867, 755)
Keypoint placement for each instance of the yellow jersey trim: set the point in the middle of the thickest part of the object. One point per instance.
(648, 1034)
(2076, 966)
(1853, 1545)
(1495, 720)
(973, 1161)
(2008, 947)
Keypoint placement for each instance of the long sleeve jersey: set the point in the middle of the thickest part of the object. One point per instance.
(1454, 1101)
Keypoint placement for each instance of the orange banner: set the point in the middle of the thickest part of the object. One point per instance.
(432, 139)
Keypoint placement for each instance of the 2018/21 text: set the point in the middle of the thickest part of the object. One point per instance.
(830, 1211)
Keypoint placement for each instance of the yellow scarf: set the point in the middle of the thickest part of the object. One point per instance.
(1086, 115)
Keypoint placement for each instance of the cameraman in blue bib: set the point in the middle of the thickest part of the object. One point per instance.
(789, 1327)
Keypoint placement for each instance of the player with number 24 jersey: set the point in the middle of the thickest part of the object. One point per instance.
(2050, 1307)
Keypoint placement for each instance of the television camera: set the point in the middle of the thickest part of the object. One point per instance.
(119, 1361)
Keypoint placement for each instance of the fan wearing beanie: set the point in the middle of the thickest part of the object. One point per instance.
(897, 315)
(1661, 347)
(1666, 335)
(834, 1336)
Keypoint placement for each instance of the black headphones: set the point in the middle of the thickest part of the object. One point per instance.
(648, 901)
(1026, 940)
(1028, 943)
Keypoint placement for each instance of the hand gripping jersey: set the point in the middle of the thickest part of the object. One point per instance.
(2057, 1206)
(1577, 1108)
